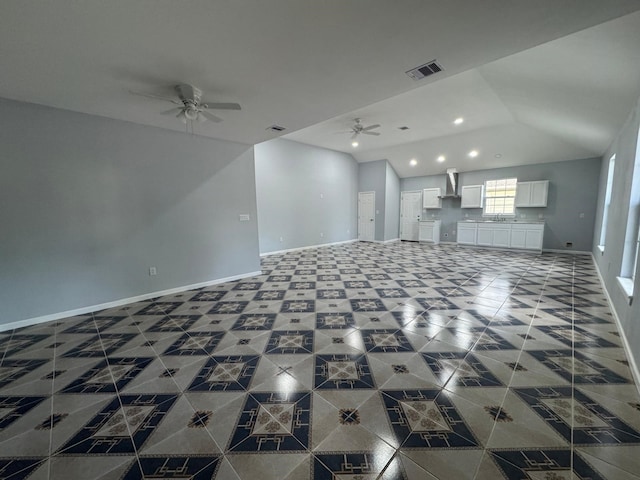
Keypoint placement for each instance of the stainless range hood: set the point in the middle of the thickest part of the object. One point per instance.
(452, 184)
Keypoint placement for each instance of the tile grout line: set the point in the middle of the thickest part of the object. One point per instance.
(517, 361)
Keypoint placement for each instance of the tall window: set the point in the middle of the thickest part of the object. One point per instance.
(637, 254)
(500, 196)
(607, 201)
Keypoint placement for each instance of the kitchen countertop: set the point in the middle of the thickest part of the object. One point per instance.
(499, 221)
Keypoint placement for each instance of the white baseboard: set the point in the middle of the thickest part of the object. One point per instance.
(382, 242)
(117, 303)
(633, 366)
(570, 252)
(308, 247)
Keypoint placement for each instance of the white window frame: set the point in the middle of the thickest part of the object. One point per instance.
(607, 202)
(487, 196)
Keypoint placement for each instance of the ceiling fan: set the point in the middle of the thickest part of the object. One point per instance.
(358, 129)
(191, 106)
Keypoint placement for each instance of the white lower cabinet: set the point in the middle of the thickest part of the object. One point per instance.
(429, 231)
(494, 235)
(467, 233)
(525, 236)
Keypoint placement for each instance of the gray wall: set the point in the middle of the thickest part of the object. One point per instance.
(372, 177)
(306, 195)
(610, 262)
(88, 204)
(573, 187)
(392, 204)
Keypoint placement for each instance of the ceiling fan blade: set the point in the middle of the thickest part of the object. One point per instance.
(353, 137)
(172, 111)
(371, 133)
(221, 106)
(209, 116)
(156, 97)
(370, 127)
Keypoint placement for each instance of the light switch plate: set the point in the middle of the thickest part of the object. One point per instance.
(244, 217)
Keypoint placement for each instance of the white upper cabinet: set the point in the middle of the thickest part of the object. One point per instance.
(431, 198)
(472, 196)
(532, 194)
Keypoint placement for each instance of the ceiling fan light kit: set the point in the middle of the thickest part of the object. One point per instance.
(191, 106)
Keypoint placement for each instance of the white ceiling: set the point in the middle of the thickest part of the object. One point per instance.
(299, 63)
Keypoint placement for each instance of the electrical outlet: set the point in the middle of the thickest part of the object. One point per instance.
(321, 234)
(348, 231)
(322, 195)
(153, 271)
(568, 244)
(281, 239)
(540, 216)
(244, 217)
(582, 215)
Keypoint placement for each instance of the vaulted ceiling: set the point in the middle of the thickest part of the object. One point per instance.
(535, 81)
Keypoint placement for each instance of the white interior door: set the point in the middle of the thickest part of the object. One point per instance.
(410, 211)
(366, 216)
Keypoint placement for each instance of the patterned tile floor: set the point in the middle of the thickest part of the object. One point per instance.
(357, 362)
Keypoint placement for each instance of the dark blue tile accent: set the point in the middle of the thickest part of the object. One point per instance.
(391, 293)
(279, 278)
(574, 316)
(331, 294)
(90, 325)
(429, 276)
(107, 433)
(51, 421)
(270, 295)
(333, 320)
(385, 340)
(367, 305)
(483, 338)
(377, 276)
(452, 291)
(460, 369)
(305, 271)
(159, 308)
(193, 467)
(437, 303)
(273, 422)
(225, 373)
(331, 466)
(174, 323)
(18, 343)
(425, 419)
(248, 286)
(411, 283)
(290, 341)
(19, 468)
(18, 406)
(406, 317)
(195, 343)
(208, 296)
(592, 423)
(302, 285)
(524, 464)
(17, 369)
(575, 337)
(342, 371)
(99, 379)
(228, 307)
(357, 284)
(100, 345)
(255, 321)
(577, 367)
(298, 306)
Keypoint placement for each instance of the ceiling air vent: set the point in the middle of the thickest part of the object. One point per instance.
(425, 70)
(276, 128)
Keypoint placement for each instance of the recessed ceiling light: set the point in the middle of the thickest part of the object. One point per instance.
(498, 155)
(441, 158)
(473, 153)
(458, 120)
(413, 162)
(354, 144)
(404, 127)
